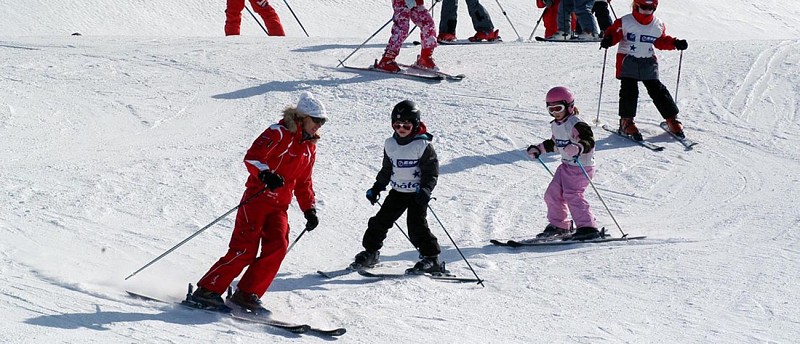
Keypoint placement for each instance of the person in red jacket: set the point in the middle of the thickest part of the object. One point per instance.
(413, 10)
(280, 163)
(550, 18)
(638, 34)
(233, 17)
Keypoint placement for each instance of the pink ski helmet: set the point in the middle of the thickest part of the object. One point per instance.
(561, 95)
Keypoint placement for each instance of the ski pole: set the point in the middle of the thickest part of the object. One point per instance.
(401, 230)
(545, 166)
(602, 79)
(601, 197)
(678, 83)
(537, 23)
(198, 232)
(612, 10)
(295, 18)
(296, 240)
(480, 281)
(257, 22)
(512, 27)
(341, 62)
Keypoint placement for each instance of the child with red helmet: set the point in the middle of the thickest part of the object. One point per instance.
(638, 34)
(574, 140)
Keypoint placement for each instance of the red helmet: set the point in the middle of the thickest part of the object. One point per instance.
(562, 95)
(645, 3)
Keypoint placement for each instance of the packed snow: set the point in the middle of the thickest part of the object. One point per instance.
(120, 143)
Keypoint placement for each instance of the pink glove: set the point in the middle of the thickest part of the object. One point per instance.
(572, 150)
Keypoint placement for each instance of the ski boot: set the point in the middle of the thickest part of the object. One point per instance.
(425, 60)
(446, 37)
(553, 232)
(586, 233)
(248, 302)
(430, 265)
(365, 260)
(627, 127)
(207, 299)
(675, 127)
(387, 63)
(485, 36)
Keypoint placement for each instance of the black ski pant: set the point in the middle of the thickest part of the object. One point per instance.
(393, 206)
(600, 10)
(629, 97)
(481, 21)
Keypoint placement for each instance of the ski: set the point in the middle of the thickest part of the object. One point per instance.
(227, 311)
(520, 243)
(406, 73)
(444, 75)
(649, 145)
(349, 270)
(683, 140)
(464, 42)
(570, 40)
(444, 278)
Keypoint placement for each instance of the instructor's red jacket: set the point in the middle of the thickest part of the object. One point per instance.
(293, 159)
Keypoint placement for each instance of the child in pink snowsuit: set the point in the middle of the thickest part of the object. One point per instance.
(573, 139)
(413, 10)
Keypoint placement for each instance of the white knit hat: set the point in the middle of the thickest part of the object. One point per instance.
(311, 106)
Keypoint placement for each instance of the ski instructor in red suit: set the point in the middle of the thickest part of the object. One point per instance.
(233, 17)
(281, 160)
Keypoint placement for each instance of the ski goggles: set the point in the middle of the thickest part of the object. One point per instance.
(317, 120)
(404, 125)
(556, 108)
(646, 9)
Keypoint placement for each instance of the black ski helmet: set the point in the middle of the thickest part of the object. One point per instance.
(406, 111)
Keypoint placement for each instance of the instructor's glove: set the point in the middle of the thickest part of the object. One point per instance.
(373, 195)
(606, 43)
(411, 4)
(272, 180)
(573, 150)
(534, 152)
(681, 44)
(312, 221)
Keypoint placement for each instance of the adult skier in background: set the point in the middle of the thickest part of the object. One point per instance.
(638, 34)
(573, 139)
(481, 22)
(233, 17)
(413, 10)
(411, 167)
(281, 160)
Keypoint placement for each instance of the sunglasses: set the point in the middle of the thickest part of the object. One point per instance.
(319, 121)
(398, 125)
(556, 108)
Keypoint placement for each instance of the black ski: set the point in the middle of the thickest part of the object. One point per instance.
(683, 140)
(291, 327)
(406, 73)
(572, 39)
(520, 243)
(445, 277)
(646, 144)
(444, 75)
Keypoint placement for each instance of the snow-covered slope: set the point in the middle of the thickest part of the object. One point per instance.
(118, 144)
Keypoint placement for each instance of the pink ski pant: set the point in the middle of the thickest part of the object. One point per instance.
(564, 193)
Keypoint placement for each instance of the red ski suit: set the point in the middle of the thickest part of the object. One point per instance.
(233, 17)
(263, 220)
